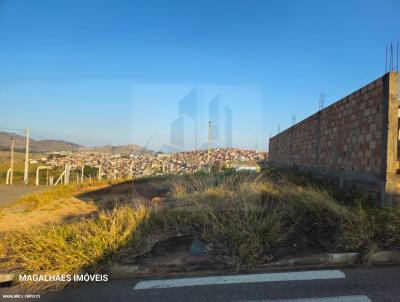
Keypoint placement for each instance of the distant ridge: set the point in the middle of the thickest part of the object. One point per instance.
(122, 149)
(53, 145)
(48, 145)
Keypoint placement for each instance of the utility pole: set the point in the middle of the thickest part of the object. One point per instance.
(26, 171)
(131, 170)
(12, 161)
(115, 167)
(83, 169)
(209, 142)
(66, 174)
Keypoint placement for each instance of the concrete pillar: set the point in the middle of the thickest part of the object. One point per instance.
(390, 133)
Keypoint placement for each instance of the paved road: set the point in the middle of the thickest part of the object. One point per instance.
(11, 193)
(346, 285)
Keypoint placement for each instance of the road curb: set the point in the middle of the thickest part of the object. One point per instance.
(318, 259)
(384, 257)
(7, 277)
(123, 271)
(126, 271)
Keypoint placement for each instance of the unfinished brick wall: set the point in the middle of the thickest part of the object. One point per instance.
(353, 140)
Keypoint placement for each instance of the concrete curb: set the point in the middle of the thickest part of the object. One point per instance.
(7, 277)
(384, 257)
(125, 271)
(318, 259)
(120, 271)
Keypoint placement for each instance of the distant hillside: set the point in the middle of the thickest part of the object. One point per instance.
(50, 145)
(123, 149)
(35, 145)
(170, 149)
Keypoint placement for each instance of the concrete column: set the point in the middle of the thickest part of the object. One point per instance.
(390, 133)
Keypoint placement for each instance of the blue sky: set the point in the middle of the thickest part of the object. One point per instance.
(68, 68)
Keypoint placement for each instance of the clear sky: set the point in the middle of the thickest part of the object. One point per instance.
(68, 69)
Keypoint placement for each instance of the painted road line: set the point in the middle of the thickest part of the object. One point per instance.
(271, 277)
(326, 299)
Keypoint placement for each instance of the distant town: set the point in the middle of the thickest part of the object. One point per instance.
(114, 166)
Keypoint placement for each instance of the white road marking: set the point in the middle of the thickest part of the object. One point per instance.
(326, 299)
(271, 277)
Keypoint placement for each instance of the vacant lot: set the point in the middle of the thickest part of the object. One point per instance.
(245, 219)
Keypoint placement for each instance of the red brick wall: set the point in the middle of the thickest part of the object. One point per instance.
(351, 131)
(348, 136)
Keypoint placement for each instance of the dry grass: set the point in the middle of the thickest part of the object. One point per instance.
(371, 230)
(250, 218)
(56, 211)
(33, 201)
(82, 246)
(48, 237)
(246, 218)
(58, 204)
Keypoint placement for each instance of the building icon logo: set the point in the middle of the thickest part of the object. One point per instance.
(189, 129)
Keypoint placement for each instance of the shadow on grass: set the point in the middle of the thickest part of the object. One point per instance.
(128, 192)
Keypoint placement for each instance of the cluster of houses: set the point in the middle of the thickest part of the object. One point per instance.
(129, 166)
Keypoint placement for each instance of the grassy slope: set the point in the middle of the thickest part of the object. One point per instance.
(246, 218)
(53, 206)
(251, 218)
(52, 246)
(73, 248)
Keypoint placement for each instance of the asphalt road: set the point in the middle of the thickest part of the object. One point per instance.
(11, 193)
(345, 285)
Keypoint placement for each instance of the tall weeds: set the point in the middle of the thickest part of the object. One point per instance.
(82, 246)
(248, 217)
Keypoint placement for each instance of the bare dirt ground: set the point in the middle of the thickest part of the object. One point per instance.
(14, 216)
(11, 193)
(59, 211)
